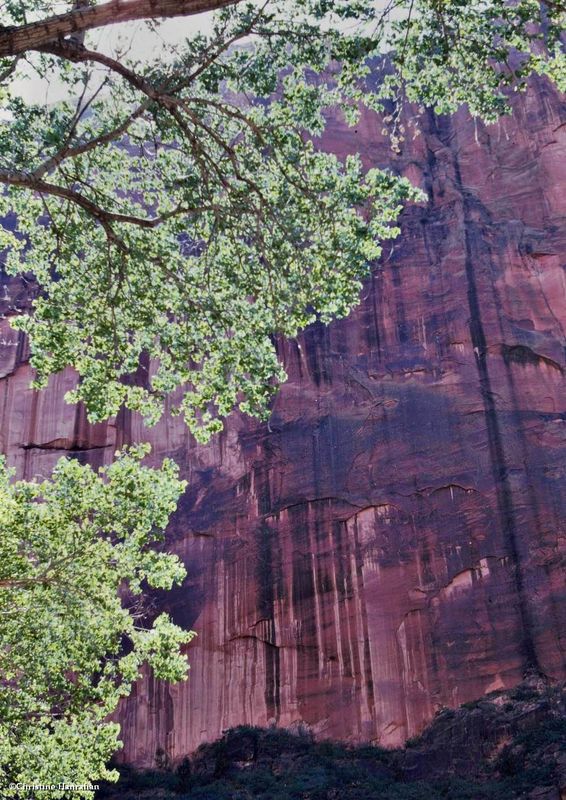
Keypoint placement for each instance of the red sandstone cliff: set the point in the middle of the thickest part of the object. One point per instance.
(394, 540)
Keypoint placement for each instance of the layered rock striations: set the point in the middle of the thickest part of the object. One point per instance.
(393, 541)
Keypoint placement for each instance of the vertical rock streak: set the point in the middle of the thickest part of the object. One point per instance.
(496, 448)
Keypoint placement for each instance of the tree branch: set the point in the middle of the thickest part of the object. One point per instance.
(20, 39)
(170, 102)
(65, 152)
(103, 216)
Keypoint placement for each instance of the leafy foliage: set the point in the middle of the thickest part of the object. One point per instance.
(228, 225)
(450, 52)
(75, 553)
(178, 208)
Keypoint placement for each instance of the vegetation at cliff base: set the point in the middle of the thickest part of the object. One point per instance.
(499, 748)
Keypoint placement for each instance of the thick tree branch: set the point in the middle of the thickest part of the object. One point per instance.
(17, 40)
(77, 53)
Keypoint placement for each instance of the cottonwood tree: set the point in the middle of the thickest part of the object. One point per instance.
(167, 208)
(176, 214)
(75, 551)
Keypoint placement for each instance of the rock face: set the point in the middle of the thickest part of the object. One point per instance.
(393, 541)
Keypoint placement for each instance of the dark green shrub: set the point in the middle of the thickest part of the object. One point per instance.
(254, 764)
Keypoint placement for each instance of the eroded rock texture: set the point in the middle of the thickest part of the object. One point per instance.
(393, 541)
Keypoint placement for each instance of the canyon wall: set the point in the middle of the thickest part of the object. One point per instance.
(392, 542)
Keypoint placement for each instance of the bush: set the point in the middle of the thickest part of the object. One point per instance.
(254, 764)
